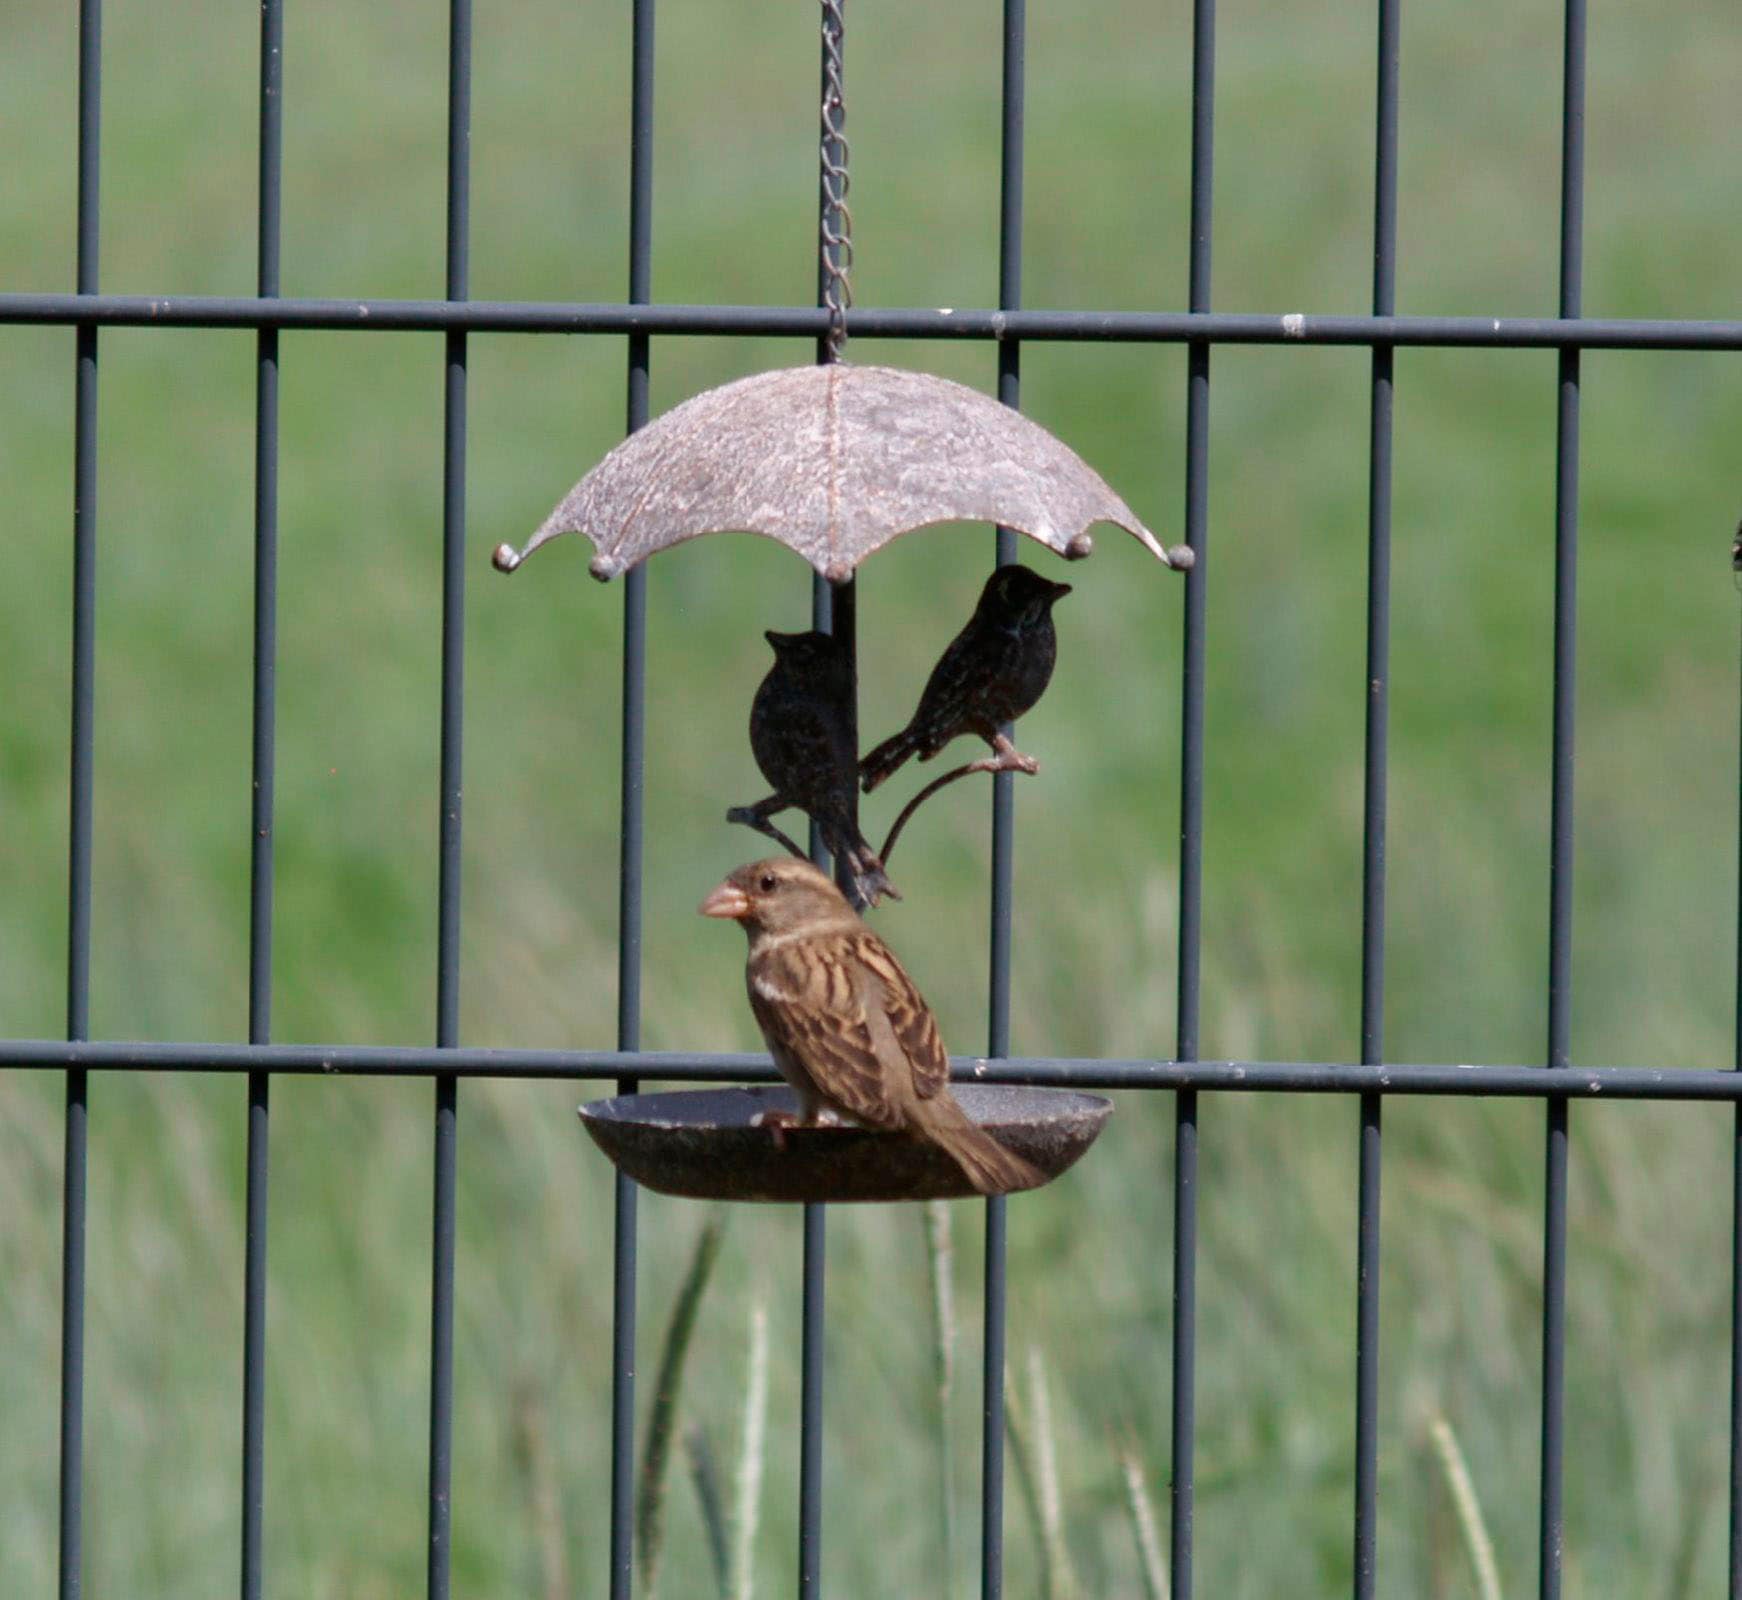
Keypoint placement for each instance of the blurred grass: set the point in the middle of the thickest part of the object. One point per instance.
(360, 530)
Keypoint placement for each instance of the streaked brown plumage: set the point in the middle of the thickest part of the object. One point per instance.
(991, 673)
(844, 1022)
(801, 735)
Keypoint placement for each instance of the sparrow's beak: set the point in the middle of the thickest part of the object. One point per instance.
(1059, 591)
(727, 901)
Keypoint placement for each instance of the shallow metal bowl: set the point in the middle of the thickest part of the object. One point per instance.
(704, 1144)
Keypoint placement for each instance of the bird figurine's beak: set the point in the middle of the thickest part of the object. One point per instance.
(727, 901)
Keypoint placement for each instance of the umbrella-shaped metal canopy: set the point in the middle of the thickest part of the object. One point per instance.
(834, 462)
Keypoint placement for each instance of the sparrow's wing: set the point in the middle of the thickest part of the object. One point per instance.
(901, 1022)
(806, 997)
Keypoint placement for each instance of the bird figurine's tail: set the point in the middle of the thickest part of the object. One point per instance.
(889, 756)
(986, 1163)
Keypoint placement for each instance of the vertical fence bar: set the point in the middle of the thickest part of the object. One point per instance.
(260, 884)
(832, 611)
(1373, 839)
(1185, 1179)
(1554, 1245)
(835, 611)
(1003, 831)
(72, 1372)
(453, 689)
(992, 1403)
(1736, 1226)
(810, 1453)
(633, 780)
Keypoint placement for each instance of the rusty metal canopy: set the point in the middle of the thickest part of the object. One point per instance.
(834, 462)
(705, 1144)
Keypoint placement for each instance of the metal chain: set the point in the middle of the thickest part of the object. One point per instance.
(835, 228)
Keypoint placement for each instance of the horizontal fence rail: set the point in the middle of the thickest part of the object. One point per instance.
(700, 1066)
(808, 322)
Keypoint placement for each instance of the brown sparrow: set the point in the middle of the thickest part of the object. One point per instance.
(992, 672)
(843, 1021)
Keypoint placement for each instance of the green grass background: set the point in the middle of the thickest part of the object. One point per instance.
(734, 214)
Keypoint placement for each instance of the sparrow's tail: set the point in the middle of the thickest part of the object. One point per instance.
(988, 1165)
(886, 758)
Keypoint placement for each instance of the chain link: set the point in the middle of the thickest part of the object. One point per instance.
(835, 229)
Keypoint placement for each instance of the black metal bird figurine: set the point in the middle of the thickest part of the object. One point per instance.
(801, 735)
(992, 672)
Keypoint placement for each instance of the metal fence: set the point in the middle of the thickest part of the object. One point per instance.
(1555, 1082)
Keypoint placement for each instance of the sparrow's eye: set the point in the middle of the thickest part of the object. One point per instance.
(768, 882)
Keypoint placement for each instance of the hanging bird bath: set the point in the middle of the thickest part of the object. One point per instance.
(833, 462)
(706, 1144)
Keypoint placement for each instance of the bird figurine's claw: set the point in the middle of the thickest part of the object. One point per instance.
(757, 817)
(1015, 761)
(1007, 758)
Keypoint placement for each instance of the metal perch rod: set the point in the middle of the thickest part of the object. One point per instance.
(1011, 761)
(1005, 761)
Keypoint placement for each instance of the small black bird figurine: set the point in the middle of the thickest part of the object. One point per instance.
(801, 735)
(993, 671)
